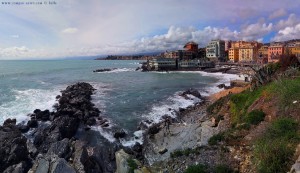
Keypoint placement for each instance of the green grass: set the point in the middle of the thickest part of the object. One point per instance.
(132, 165)
(217, 105)
(255, 117)
(223, 169)
(241, 102)
(215, 139)
(185, 152)
(199, 168)
(287, 91)
(273, 152)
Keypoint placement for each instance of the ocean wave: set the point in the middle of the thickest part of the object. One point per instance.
(26, 101)
(119, 70)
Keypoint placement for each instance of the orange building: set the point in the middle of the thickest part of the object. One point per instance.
(294, 49)
(191, 46)
(233, 54)
(275, 51)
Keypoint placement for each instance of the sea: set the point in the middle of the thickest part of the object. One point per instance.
(125, 96)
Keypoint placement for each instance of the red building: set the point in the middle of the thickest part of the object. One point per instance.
(191, 46)
(275, 51)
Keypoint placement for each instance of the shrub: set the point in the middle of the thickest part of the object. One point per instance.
(132, 165)
(199, 168)
(255, 117)
(215, 139)
(284, 128)
(223, 169)
(176, 153)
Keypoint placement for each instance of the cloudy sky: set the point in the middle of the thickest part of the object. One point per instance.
(100, 27)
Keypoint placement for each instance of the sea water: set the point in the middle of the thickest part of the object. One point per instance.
(124, 96)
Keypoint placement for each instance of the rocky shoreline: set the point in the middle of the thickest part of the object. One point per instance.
(50, 140)
(61, 140)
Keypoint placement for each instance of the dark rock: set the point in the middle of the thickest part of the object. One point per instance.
(58, 97)
(13, 148)
(37, 111)
(154, 129)
(163, 151)
(22, 167)
(191, 91)
(221, 86)
(23, 128)
(61, 166)
(32, 123)
(104, 70)
(43, 166)
(60, 149)
(120, 134)
(80, 156)
(91, 121)
(9, 122)
(182, 109)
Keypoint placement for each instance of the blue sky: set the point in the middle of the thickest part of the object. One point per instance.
(100, 27)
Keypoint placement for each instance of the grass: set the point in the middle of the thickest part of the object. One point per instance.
(287, 91)
(132, 165)
(217, 105)
(185, 152)
(215, 139)
(199, 168)
(255, 117)
(223, 169)
(239, 103)
(273, 152)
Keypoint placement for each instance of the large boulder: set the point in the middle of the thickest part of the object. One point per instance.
(192, 92)
(13, 149)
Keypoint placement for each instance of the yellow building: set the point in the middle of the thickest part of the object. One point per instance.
(233, 54)
(248, 54)
(294, 49)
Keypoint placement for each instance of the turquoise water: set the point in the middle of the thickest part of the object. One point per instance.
(125, 96)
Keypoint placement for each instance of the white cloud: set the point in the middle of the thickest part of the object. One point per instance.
(292, 20)
(70, 31)
(288, 33)
(278, 13)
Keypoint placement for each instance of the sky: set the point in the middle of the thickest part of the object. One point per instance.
(68, 28)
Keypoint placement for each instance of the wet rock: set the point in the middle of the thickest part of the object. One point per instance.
(60, 149)
(91, 121)
(221, 86)
(32, 123)
(13, 148)
(154, 129)
(120, 134)
(9, 122)
(23, 128)
(191, 91)
(18, 168)
(103, 70)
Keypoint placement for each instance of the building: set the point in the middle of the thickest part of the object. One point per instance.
(162, 64)
(294, 49)
(248, 54)
(275, 51)
(233, 54)
(227, 45)
(263, 55)
(191, 46)
(215, 50)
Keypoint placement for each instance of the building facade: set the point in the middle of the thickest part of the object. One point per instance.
(233, 54)
(248, 54)
(275, 51)
(263, 55)
(191, 46)
(215, 50)
(294, 49)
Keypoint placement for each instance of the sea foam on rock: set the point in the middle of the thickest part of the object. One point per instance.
(52, 146)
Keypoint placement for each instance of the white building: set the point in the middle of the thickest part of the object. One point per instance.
(215, 50)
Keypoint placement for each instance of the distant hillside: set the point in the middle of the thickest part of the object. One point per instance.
(144, 56)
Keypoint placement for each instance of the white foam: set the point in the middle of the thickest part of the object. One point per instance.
(119, 70)
(137, 138)
(26, 101)
(105, 133)
(169, 107)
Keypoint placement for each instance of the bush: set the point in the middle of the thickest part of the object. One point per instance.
(273, 151)
(255, 117)
(216, 106)
(215, 139)
(132, 165)
(176, 153)
(199, 168)
(223, 169)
